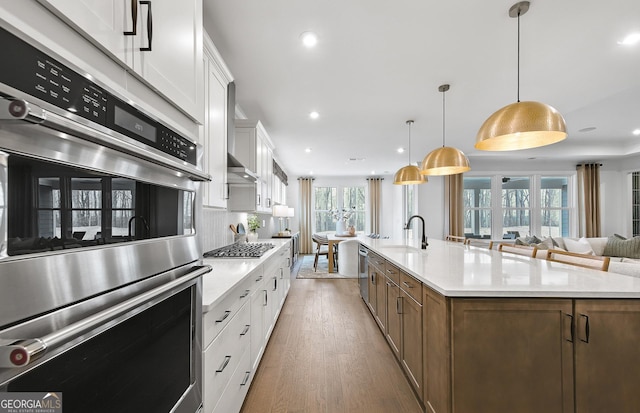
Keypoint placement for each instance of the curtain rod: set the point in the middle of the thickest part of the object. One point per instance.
(584, 164)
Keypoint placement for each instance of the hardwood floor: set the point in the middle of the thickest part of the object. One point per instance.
(327, 355)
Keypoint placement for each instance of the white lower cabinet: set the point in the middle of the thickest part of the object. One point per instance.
(224, 355)
(238, 329)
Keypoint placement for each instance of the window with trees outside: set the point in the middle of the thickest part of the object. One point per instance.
(528, 205)
(635, 203)
(477, 207)
(328, 199)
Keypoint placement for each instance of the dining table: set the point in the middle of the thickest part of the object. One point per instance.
(334, 239)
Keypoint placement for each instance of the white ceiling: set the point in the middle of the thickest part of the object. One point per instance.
(379, 63)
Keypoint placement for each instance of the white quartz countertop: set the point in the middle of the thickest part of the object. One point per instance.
(228, 272)
(457, 270)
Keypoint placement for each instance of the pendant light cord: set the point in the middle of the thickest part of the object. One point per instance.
(443, 123)
(518, 56)
(409, 122)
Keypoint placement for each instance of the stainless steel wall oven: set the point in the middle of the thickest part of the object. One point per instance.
(100, 268)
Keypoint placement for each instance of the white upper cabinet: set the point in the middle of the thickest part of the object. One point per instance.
(159, 42)
(214, 138)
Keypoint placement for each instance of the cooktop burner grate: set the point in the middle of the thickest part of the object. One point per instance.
(240, 250)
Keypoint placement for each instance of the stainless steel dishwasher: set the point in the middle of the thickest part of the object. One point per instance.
(363, 270)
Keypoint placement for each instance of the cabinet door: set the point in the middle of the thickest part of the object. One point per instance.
(394, 313)
(436, 343)
(372, 303)
(102, 21)
(215, 140)
(512, 356)
(412, 340)
(173, 66)
(258, 310)
(607, 356)
(381, 300)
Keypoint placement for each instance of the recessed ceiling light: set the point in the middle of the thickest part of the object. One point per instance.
(310, 172)
(373, 172)
(400, 150)
(314, 115)
(309, 39)
(588, 129)
(636, 132)
(630, 40)
(308, 150)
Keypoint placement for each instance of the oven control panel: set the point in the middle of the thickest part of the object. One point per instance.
(35, 73)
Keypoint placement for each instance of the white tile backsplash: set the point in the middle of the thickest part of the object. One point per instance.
(215, 232)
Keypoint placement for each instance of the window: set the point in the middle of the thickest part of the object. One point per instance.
(528, 205)
(635, 200)
(516, 207)
(326, 199)
(353, 198)
(332, 198)
(554, 206)
(86, 207)
(123, 205)
(477, 207)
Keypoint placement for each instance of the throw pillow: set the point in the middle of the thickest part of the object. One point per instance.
(628, 248)
(580, 246)
(558, 242)
(546, 244)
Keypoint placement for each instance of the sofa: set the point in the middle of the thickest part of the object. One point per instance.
(624, 253)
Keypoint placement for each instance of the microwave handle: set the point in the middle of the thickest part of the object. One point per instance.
(19, 353)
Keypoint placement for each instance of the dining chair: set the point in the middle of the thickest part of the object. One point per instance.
(518, 249)
(322, 248)
(581, 260)
(456, 238)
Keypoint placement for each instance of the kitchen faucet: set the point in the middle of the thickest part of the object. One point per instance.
(424, 236)
(144, 222)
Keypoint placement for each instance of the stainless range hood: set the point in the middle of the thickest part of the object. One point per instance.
(238, 173)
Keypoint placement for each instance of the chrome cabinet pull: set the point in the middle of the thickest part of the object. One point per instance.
(246, 378)
(246, 293)
(149, 26)
(224, 317)
(266, 298)
(259, 278)
(246, 330)
(134, 19)
(223, 366)
(406, 284)
(275, 283)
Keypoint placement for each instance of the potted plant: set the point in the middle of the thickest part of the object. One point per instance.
(253, 223)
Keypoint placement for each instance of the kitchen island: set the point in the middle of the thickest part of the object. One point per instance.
(478, 330)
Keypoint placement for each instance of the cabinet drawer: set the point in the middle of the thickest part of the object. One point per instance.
(233, 396)
(217, 318)
(411, 286)
(392, 272)
(223, 356)
(377, 261)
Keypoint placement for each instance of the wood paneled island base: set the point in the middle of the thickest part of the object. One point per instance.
(497, 352)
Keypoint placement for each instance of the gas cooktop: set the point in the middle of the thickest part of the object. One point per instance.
(240, 250)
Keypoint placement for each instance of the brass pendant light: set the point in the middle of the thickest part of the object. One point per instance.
(410, 174)
(521, 125)
(445, 160)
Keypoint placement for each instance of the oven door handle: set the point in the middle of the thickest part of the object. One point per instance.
(19, 353)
